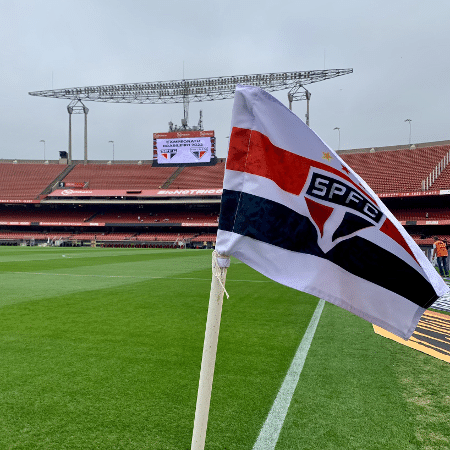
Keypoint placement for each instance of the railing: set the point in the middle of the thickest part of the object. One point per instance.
(434, 174)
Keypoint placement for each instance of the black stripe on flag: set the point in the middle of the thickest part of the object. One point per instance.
(276, 224)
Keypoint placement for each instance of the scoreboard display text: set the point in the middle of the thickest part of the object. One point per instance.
(189, 147)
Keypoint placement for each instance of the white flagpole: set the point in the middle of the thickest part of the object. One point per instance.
(219, 269)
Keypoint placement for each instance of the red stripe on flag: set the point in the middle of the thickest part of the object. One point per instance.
(252, 152)
(390, 230)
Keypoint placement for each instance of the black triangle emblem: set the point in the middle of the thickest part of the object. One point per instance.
(350, 224)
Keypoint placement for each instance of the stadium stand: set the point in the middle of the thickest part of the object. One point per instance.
(26, 181)
(429, 240)
(80, 221)
(162, 236)
(398, 170)
(52, 215)
(178, 219)
(196, 177)
(205, 238)
(156, 217)
(414, 183)
(120, 176)
(99, 236)
(422, 213)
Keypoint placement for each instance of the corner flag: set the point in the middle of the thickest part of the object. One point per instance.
(293, 210)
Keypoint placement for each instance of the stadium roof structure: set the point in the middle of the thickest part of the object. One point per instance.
(186, 91)
(195, 90)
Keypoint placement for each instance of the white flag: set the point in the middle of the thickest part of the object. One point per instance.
(294, 211)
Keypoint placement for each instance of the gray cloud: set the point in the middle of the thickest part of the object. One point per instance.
(398, 50)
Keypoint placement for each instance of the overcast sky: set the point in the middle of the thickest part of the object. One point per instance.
(399, 52)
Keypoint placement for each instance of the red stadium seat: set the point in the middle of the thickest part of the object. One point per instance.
(196, 177)
(26, 181)
(398, 170)
(120, 176)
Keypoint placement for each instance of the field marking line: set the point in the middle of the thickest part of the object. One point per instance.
(270, 431)
(134, 276)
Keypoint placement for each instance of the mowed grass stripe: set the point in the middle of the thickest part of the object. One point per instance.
(61, 260)
(36, 286)
(100, 369)
(130, 276)
(102, 272)
(117, 367)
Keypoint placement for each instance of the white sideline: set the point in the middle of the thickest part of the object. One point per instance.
(268, 436)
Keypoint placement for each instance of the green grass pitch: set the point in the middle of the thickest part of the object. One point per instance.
(101, 349)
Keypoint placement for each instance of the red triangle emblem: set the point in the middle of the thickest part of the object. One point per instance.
(319, 213)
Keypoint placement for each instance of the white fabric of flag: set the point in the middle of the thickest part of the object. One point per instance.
(293, 210)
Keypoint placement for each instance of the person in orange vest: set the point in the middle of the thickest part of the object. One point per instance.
(440, 250)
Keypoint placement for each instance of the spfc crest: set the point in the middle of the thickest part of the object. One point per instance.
(338, 209)
(169, 153)
(198, 153)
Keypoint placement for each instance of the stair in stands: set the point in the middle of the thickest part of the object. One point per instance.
(172, 177)
(60, 177)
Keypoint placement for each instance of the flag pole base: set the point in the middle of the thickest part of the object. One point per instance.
(219, 268)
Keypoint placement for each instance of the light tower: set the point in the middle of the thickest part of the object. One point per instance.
(409, 120)
(42, 140)
(76, 106)
(339, 130)
(294, 94)
(112, 142)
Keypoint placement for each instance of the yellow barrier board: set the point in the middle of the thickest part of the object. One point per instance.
(431, 336)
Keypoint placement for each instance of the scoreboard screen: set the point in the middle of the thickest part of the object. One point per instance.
(183, 147)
